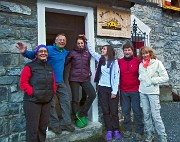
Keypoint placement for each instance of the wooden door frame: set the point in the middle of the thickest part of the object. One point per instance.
(87, 12)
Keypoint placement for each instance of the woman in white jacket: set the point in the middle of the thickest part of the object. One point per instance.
(151, 74)
(107, 78)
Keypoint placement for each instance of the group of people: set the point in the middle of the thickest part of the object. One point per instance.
(134, 81)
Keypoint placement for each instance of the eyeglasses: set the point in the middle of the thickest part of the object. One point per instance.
(43, 51)
(60, 40)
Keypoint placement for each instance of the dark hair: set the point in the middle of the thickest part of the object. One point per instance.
(110, 54)
(146, 49)
(81, 38)
(128, 44)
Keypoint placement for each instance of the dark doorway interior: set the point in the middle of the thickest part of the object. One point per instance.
(71, 26)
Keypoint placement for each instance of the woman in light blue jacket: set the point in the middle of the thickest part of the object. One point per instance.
(107, 77)
(151, 74)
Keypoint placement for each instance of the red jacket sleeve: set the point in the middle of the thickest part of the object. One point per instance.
(24, 81)
(54, 85)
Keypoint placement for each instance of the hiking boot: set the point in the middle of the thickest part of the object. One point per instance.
(117, 135)
(127, 134)
(68, 128)
(163, 139)
(108, 135)
(56, 130)
(138, 137)
(149, 138)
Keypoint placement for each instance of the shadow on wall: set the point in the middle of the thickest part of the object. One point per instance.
(176, 98)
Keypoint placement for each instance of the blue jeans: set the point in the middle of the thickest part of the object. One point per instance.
(128, 100)
(64, 102)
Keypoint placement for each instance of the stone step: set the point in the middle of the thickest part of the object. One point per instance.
(90, 130)
(166, 93)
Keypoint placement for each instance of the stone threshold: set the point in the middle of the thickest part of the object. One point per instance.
(93, 128)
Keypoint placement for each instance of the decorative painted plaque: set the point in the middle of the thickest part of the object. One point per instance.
(113, 22)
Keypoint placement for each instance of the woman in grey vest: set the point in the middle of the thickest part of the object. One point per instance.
(38, 84)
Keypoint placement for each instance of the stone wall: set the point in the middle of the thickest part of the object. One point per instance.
(18, 23)
(18, 20)
(164, 37)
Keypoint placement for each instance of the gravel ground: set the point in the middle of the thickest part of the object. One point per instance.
(170, 113)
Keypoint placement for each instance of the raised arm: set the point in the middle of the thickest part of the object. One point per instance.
(21, 47)
(23, 50)
(94, 54)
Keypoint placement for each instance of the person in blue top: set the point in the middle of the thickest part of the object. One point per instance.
(56, 58)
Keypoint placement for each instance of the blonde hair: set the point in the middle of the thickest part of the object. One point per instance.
(147, 49)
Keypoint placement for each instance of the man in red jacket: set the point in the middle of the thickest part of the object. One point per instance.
(129, 85)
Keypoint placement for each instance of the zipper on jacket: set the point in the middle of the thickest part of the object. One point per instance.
(46, 77)
(81, 63)
(128, 66)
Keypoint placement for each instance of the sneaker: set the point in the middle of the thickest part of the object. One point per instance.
(82, 119)
(56, 130)
(149, 138)
(117, 135)
(163, 139)
(69, 128)
(127, 134)
(108, 135)
(138, 137)
(79, 124)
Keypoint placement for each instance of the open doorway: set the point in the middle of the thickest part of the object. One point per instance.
(87, 13)
(71, 26)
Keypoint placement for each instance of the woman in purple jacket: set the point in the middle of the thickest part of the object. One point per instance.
(79, 75)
